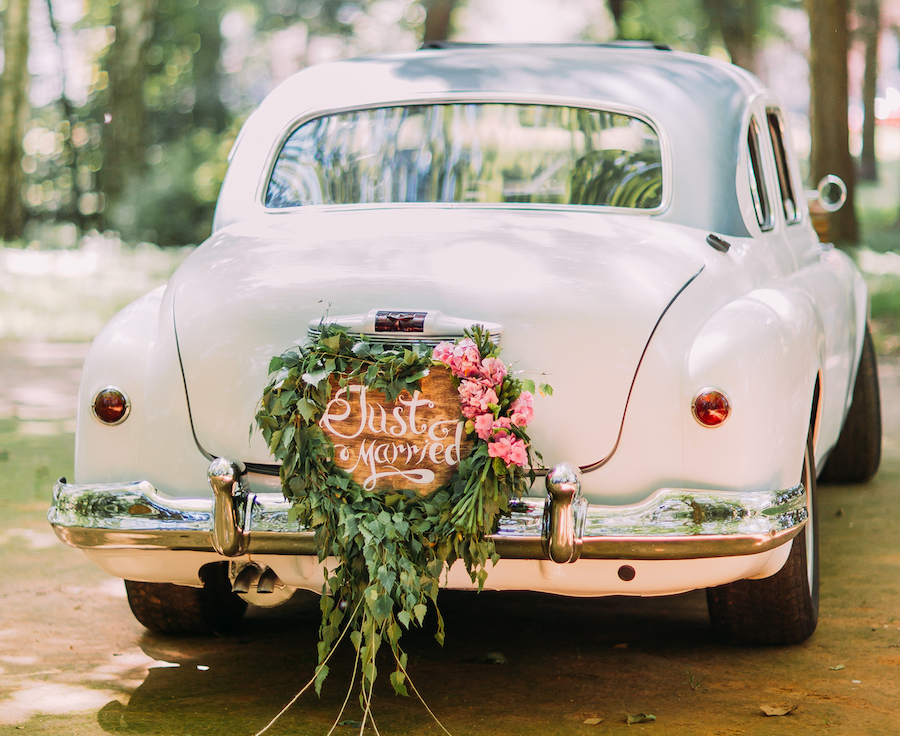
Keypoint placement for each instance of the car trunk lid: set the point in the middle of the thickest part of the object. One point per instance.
(577, 295)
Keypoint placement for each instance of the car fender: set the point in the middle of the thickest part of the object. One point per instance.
(137, 352)
(764, 350)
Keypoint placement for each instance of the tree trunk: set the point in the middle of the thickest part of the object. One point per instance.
(71, 211)
(830, 152)
(616, 9)
(209, 111)
(437, 19)
(869, 12)
(125, 117)
(737, 22)
(14, 111)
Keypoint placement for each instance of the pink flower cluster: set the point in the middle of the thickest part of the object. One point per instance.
(480, 380)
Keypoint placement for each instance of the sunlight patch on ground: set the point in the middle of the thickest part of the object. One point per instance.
(112, 587)
(29, 538)
(31, 697)
(36, 698)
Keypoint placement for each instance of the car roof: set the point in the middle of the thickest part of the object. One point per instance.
(699, 104)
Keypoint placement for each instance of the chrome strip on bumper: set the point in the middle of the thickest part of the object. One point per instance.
(563, 527)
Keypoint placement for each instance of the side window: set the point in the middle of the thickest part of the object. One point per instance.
(788, 199)
(757, 179)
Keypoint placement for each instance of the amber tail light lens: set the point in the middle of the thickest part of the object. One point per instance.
(111, 406)
(711, 407)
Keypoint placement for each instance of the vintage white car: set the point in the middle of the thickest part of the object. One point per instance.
(628, 221)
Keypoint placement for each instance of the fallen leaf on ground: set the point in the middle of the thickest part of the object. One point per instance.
(592, 721)
(640, 718)
(778, 710)
(492, 658)
(838, 667)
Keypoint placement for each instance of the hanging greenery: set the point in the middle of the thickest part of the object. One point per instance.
(392, 546)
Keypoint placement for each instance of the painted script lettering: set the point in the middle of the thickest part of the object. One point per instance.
(415, 442)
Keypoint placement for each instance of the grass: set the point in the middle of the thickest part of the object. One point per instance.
(878, 209)
(29, 465)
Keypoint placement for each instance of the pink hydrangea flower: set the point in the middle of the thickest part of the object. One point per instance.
(463, 358)
(521, 412)
(493, 371)
(486, 426)
(475, 398)
(442, 352)
(509, 450)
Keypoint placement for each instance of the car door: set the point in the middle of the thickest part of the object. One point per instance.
(825, 272)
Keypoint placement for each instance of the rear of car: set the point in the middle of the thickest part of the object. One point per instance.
(627, 223)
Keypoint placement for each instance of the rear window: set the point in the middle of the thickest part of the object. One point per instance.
(470, 153)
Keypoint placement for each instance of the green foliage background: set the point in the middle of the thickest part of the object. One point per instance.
(194, 99)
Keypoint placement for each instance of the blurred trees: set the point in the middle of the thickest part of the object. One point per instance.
(14, 112)
(140, 146)
(699, 25)
(739, 24)
(830, 154)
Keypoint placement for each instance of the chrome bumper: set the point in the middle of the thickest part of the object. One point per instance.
(563, 527)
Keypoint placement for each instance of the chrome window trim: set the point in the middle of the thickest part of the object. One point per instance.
(478, 99)
(783, 167)
(757, 178)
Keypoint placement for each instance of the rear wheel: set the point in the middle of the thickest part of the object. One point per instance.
(857, 454)
(177, 609)
(783, 608)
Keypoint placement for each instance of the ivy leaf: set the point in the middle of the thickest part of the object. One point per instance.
(382, 607)
(420, 609)
(321, 674)
(419, 376)
(640, 718)
(307, 410)
(316, 377)
(331, 344)
(398, 680)
(362, 350)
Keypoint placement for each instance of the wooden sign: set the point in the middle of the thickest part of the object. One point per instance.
(415, 442)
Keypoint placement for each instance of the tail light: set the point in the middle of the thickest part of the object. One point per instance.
(711, 407)
(111, 406)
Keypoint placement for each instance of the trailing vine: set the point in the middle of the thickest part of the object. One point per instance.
(391, 547)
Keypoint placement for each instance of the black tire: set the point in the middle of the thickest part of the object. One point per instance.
(857, 454)
(176, 609)
(783, 608)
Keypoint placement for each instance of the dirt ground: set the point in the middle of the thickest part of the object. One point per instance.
(74, 661)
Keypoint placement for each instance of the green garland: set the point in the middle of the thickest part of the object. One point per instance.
(390, 548)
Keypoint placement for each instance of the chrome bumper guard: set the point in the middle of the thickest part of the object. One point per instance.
(563, 527)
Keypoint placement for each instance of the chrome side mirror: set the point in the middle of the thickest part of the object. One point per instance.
(831, 193)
